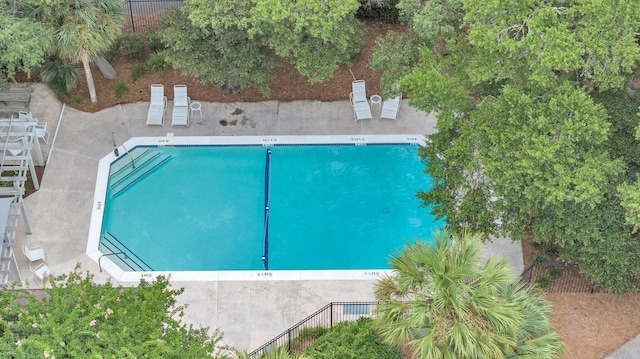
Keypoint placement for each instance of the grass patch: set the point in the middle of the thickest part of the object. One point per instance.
(138, 71)
(120, 90)
(157, 62)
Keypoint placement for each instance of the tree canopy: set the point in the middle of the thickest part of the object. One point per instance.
(226, 58)
(445, 302)
(78, 318)
(22, 42)
(81, 29)
(315, 36)
(524, 143)
(69, 29)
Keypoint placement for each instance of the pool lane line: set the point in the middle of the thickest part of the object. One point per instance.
(265, 253)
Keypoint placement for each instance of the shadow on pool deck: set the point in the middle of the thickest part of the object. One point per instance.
(248, 312)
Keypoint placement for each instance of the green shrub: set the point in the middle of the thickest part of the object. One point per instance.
(58, 89)
(544, 281)
(157, 62)
(307, 334)
(383, 11)
(113, 50)
(120, 89)
(154, 40)
(551, 249)
(77, 99)
(556, 272)
(313, 332)
(352, 340)
(133, 45)
(60, 75)
(138, 71)
(540, 258)
(79, 318)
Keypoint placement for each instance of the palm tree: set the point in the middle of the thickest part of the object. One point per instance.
(83, 28)
(447, 303)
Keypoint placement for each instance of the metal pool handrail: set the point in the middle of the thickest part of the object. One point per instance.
(130, 256)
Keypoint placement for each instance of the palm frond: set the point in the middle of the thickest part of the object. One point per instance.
(448, 303)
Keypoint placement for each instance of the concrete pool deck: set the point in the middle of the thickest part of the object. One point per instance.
(249, 313)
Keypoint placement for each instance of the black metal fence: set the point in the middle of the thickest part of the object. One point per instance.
(552, 277)
(558, 277)
(296, 337)
(141, 14)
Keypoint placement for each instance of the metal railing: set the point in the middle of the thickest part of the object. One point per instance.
(552, 277)
(559, 277)
(327, 317)
(111, 246)
(141, 14)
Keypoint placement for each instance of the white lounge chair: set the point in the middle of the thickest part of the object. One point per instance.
(180, 115)
(358, 99)
(157, 106)
(390, 108)
(34, 254)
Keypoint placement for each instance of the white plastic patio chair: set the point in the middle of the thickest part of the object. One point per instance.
(157, 105)
(34, 254)
(25, 115)
(180, 114)
(42, 133)
(42, 271)
(358, 99)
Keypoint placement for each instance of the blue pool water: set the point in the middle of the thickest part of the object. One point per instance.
(203, 207)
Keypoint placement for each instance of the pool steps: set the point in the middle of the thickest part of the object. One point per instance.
(122, 163)
(123, 176)
(110, 245)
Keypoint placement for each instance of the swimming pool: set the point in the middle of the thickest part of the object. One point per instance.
(259, 206)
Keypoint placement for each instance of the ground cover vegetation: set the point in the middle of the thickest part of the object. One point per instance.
(347, 340)
(77, 318)
(537, 125)
(352, 340)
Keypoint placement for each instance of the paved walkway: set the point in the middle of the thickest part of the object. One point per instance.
(248, 312)
(631, 350)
